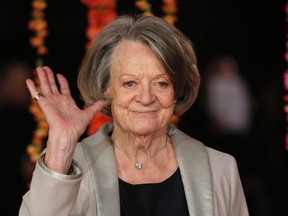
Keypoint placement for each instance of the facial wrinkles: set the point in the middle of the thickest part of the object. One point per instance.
(138, 64)
(126, 115)
(144, 99)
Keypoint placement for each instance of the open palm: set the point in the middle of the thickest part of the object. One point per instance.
(65, 119)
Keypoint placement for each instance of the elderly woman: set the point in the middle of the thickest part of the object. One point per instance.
(140, 71)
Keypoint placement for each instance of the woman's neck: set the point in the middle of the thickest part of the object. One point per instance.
(133, 145)
(143, 159)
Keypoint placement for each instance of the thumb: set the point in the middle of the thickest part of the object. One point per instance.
(95, 108)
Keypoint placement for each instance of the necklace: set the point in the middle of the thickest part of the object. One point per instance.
(139, 165)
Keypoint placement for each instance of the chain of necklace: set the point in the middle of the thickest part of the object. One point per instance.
(139, 165)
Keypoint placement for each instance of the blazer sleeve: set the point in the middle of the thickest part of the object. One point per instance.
(51, 193)
(229, 198)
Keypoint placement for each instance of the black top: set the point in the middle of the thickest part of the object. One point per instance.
(165, 198)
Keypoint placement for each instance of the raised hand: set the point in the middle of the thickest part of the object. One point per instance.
(65, 119)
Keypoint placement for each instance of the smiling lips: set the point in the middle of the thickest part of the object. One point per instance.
(145, 112)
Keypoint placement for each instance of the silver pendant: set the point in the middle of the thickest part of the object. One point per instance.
(138, 165)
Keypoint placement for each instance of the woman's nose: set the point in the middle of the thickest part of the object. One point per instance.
(146, 95)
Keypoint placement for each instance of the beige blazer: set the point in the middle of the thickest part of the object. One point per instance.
(211, 181)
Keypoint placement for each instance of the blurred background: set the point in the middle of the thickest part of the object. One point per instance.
(240, 109)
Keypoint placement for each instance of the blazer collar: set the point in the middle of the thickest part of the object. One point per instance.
(101, 163)
(192, 159)
(195, 170)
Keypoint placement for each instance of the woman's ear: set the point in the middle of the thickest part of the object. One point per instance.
(108, 94)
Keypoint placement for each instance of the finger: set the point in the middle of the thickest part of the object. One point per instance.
(44, 81)
(51, 79)
(33, 89)
(95, 108)
(64, 85)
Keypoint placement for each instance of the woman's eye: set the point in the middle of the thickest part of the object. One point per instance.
(129, 84)
(163, 84)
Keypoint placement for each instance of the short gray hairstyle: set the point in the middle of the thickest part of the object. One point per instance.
(172, 48)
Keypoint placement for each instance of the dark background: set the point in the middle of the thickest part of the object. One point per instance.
(252, 32)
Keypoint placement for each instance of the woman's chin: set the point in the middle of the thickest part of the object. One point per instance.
(143, 128)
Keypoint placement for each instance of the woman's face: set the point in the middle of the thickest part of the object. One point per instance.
(142, 94)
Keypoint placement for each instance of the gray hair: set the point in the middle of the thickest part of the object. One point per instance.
(172, 48)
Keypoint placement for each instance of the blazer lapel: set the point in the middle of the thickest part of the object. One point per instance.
(193, 163)
(195, 170)
(101, 162)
